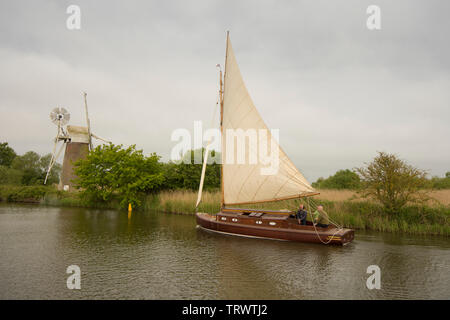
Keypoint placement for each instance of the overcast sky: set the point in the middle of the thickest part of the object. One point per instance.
(337, 91)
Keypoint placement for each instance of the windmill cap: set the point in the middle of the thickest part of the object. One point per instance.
(78, 134)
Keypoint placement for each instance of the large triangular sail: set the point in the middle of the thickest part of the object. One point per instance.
(247, 181)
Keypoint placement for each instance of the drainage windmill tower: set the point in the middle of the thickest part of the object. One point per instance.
(60, 117)
(77, 141)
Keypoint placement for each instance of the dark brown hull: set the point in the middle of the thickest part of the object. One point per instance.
(273, 227)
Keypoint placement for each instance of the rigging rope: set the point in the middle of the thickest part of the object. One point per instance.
(312, 206)
(315, 229)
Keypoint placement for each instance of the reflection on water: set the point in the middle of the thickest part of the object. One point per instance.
(160, 256)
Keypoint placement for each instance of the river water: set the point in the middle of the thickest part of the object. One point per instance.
(164, 256)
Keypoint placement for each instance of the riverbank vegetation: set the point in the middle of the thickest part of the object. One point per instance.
(25, 170)
(385, 195)
(344, 207)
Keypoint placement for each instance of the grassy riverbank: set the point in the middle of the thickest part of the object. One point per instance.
(348, 211)
(343, 207)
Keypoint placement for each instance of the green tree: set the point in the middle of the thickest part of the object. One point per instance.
(29, 165)
(186, 174)
(112, 172)
(342, 179)
(34, 168)
(53, 177)
(10, 176)
(392, 182)
(440, 183)
(7, 154)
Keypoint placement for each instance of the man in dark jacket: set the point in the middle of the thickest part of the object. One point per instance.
(301, 215)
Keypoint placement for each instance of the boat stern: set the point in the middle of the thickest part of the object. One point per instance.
(347, 236)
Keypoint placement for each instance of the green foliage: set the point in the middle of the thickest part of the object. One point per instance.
(186, 174)
(342, 179)
(53, 177)
(392, 182)
(7, 154)
(29, 165)
(440, 183)
(34, 168)
(10, 176)
(24, 193)
(111, 172)
(28, 169)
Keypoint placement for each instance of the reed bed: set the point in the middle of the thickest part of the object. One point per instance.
(343, 207)
(438, 197)
(183, 202)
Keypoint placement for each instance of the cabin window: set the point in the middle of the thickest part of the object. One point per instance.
(223, 218)
(272, 223)
(258, 222)
(234, 219)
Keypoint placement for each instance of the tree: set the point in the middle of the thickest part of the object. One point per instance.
(342, 179)
(7, 154)
(186, 174)
(29, 165)
(393, 182)
(53, 177)
(34, 168)
(112, 172)
(440, 183)
(10, 176)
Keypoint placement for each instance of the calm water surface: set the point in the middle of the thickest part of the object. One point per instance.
(161, 256)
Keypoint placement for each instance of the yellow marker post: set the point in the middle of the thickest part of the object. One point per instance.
(129, 210)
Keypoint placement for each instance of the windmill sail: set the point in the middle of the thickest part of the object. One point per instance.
(246, 181)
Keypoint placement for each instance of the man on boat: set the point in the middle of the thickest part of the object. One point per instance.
(321, 217)
(301, 215)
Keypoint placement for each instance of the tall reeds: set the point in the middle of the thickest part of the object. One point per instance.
(343, 207)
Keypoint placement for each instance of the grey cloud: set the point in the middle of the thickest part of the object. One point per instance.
(337, 91)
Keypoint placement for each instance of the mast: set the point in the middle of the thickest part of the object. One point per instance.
(88, 121)
(222, 89)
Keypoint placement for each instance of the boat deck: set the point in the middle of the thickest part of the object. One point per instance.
(273, 226)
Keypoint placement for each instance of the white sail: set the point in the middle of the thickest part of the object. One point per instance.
(202, 178)
(248, 182)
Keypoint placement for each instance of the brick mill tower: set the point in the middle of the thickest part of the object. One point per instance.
(77, 142)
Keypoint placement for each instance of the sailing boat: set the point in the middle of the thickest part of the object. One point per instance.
(245, 182)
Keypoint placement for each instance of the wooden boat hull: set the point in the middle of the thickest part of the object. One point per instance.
(272, 227)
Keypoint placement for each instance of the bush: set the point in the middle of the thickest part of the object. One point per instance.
(186, 174)
(441, 183)
(25, 193)
(342, 179)
(112, 173)
(392, 182)
(7, 154)
(9, 176)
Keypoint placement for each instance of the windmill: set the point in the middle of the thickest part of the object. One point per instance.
(60, 117)
(77, 141)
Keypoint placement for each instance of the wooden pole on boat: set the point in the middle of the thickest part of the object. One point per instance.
(222, 89)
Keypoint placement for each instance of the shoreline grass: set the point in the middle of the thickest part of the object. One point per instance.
(342, 206)
(350, 212)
